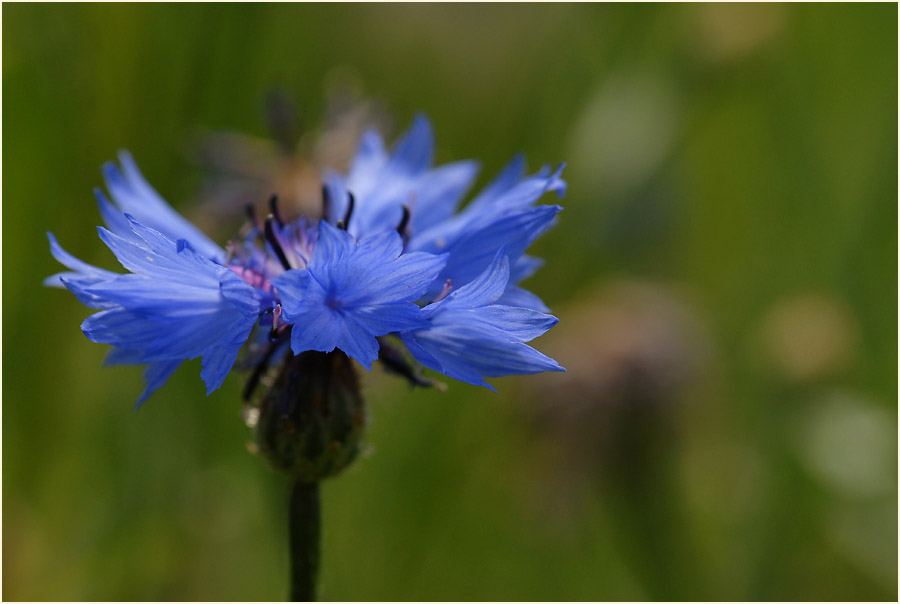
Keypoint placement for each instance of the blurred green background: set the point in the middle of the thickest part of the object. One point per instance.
(724, 271)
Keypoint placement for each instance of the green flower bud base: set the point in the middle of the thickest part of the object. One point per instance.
(311, 420)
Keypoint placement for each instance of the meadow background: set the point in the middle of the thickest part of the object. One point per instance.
(725, 274)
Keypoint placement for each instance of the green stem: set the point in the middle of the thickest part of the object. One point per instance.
(305, 523)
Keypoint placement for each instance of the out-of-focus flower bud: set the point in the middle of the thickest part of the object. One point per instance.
(244, 169)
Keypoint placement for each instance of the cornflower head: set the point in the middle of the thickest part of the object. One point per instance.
(390, 261)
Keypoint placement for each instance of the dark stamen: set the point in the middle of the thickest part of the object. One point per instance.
(349, 212)
(273, 209)
(273, 241)
(401, 228)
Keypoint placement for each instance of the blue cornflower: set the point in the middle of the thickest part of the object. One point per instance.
(391, 256)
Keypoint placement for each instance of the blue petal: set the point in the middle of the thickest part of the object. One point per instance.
(473, 251)
(519, 324)
(407, 279)
(242, 297)
(338, 196)
(374, 249)
(413, 152)
(439, 193)
(485, 289)
(508, 177)
(370, 159)
(70, 261)
(467, 353)
(121, 328)
(134, 195)
(137, 258)
(216, 364)
(442, 363)
(155, 375)
(82, 276)
(521, 297)
(524, 267)
(78, 284)
(333, 244)
(390, 317)
(470, 337)
(314, 329)
(161, 330)
(113, 218)
(491, 206)
(527, 192)
(292, 285)
(358, 342)
(149, 296)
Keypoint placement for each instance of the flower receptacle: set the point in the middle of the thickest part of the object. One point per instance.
(312, 418)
